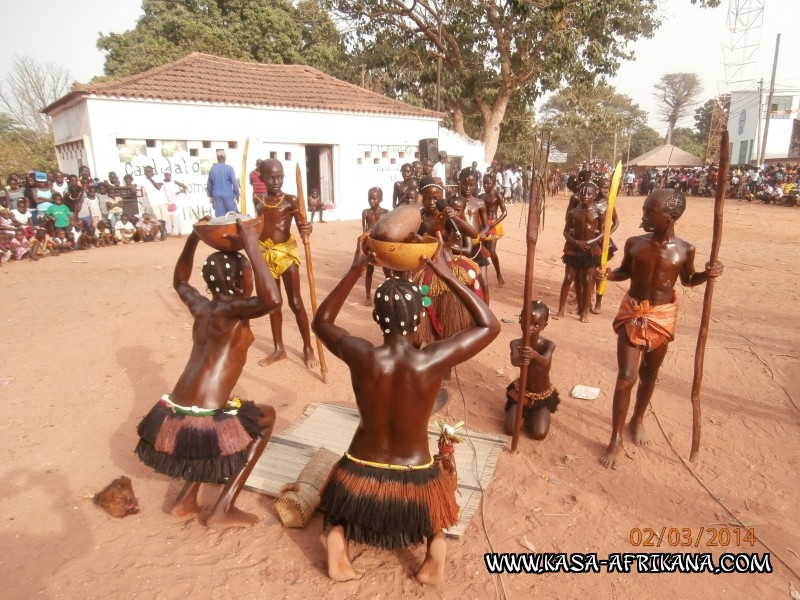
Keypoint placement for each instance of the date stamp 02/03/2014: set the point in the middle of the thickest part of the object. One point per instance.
(679, 538)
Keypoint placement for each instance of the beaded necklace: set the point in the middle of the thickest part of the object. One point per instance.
(265, 205)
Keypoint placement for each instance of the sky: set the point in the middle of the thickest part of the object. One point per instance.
(690, 40)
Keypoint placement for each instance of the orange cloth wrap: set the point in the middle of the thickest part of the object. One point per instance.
(647, 326)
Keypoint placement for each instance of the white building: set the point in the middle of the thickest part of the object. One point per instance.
(746, 123)
(176, 116)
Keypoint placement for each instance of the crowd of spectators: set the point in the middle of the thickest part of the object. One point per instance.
(47, 214)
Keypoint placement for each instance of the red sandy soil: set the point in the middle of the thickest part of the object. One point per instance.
(94, 338)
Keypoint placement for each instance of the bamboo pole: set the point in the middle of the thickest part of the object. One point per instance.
(301, 201)
(243, 179)
(705, 318)
(612, 199)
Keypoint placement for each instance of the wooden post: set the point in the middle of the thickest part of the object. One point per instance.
(243, 179)
(705, 318)
(301, 201)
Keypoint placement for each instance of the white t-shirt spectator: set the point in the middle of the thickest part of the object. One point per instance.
(440, 171)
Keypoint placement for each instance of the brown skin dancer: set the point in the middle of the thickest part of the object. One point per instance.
(395, 385)
(221, 337)
(582, 232)
(475, 215)
(278, 210)
(495, 212)
(653, 262)
(369, 217)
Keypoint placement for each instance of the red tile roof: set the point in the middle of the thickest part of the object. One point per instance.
(205, 78)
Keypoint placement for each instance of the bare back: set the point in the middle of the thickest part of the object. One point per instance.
(219, 351)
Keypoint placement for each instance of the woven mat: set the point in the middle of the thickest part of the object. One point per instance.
(332, 426)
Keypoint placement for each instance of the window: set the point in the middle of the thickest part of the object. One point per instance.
(206, 144)
(150, 143)
(287, 156)
(120, 142)
(194, 152)
(233, 145)
(273, 155)
(743, 145)
(781, 107)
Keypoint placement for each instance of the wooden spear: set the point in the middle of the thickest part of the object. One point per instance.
(301, 201)
(531, 237)
(705, 318)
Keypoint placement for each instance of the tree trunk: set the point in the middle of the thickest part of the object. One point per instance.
(457, 114)
(492, 117)
(668, 137)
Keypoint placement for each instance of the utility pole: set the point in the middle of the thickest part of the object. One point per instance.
(762, 156)
(758, 123)
(629, 149)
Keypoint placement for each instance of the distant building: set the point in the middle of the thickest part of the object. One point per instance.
(175, 117)
(746, 122)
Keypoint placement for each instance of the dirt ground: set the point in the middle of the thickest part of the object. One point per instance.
(93, 339)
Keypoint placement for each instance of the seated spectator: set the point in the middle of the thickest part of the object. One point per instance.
(148, 229)
(61, 241)
(5, 246)
(20, 246)
(21, 216)
(104, 235)
(43, 244)
(89, 237)
(124, 230)
(6, 224)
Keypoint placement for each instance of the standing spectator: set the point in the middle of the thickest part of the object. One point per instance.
(171, 190)
(156, 199)
(222, 187)
(59, 183)
(14, 191)
(440, 168)
(259, 189)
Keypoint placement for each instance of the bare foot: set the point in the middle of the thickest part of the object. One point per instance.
(368, 301)
(188, 506)
(500, 281)
(559, 314)
(309, 358)
(339, 566)
(274, 357)
(612, 454)
(233, 518)
(596, 309)
(639, 434)
(432, 570)
(584, 318)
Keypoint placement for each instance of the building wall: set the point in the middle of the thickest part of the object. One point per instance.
(743, 127)
(124, 136)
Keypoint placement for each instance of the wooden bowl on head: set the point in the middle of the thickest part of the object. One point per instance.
(401, 256)
(213, 232)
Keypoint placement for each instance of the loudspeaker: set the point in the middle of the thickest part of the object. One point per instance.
(429, 148)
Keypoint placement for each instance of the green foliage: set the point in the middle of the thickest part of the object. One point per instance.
(249, 30)
(494, 49)
(584, 119)
(22, 150)
(703, 114)
(686, 139)
(675, 93)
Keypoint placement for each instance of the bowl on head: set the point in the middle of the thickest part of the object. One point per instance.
(213, 232)
(400, 256)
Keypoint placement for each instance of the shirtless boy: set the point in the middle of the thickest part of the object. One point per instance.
(645, 323)
(475, 215)
(399, 188)
(541, 397)
(387, 491)
(199, 432)
(369, 216)
(602, 208)
(581, 251)
(495, 213)
(279, 247)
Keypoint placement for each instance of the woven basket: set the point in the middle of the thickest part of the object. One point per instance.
(298, 501)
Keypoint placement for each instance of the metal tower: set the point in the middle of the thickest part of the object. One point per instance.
(740, 59)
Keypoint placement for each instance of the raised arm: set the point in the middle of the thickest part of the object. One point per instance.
(333, 336)
(468, 342)
(183, 272)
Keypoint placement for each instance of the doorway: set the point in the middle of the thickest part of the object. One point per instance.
(319, 173)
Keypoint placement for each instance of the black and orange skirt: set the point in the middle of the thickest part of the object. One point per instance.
(388, 508)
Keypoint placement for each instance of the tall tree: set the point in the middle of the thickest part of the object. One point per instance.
(676, 93)
(494, 48)
(585, 119)
(691, 141)
(29, 86)
(252, 30)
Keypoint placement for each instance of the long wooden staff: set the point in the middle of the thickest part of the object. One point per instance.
(705, 318)
(301, 201)
(531, 237)
(243, 178)
(612, 200)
